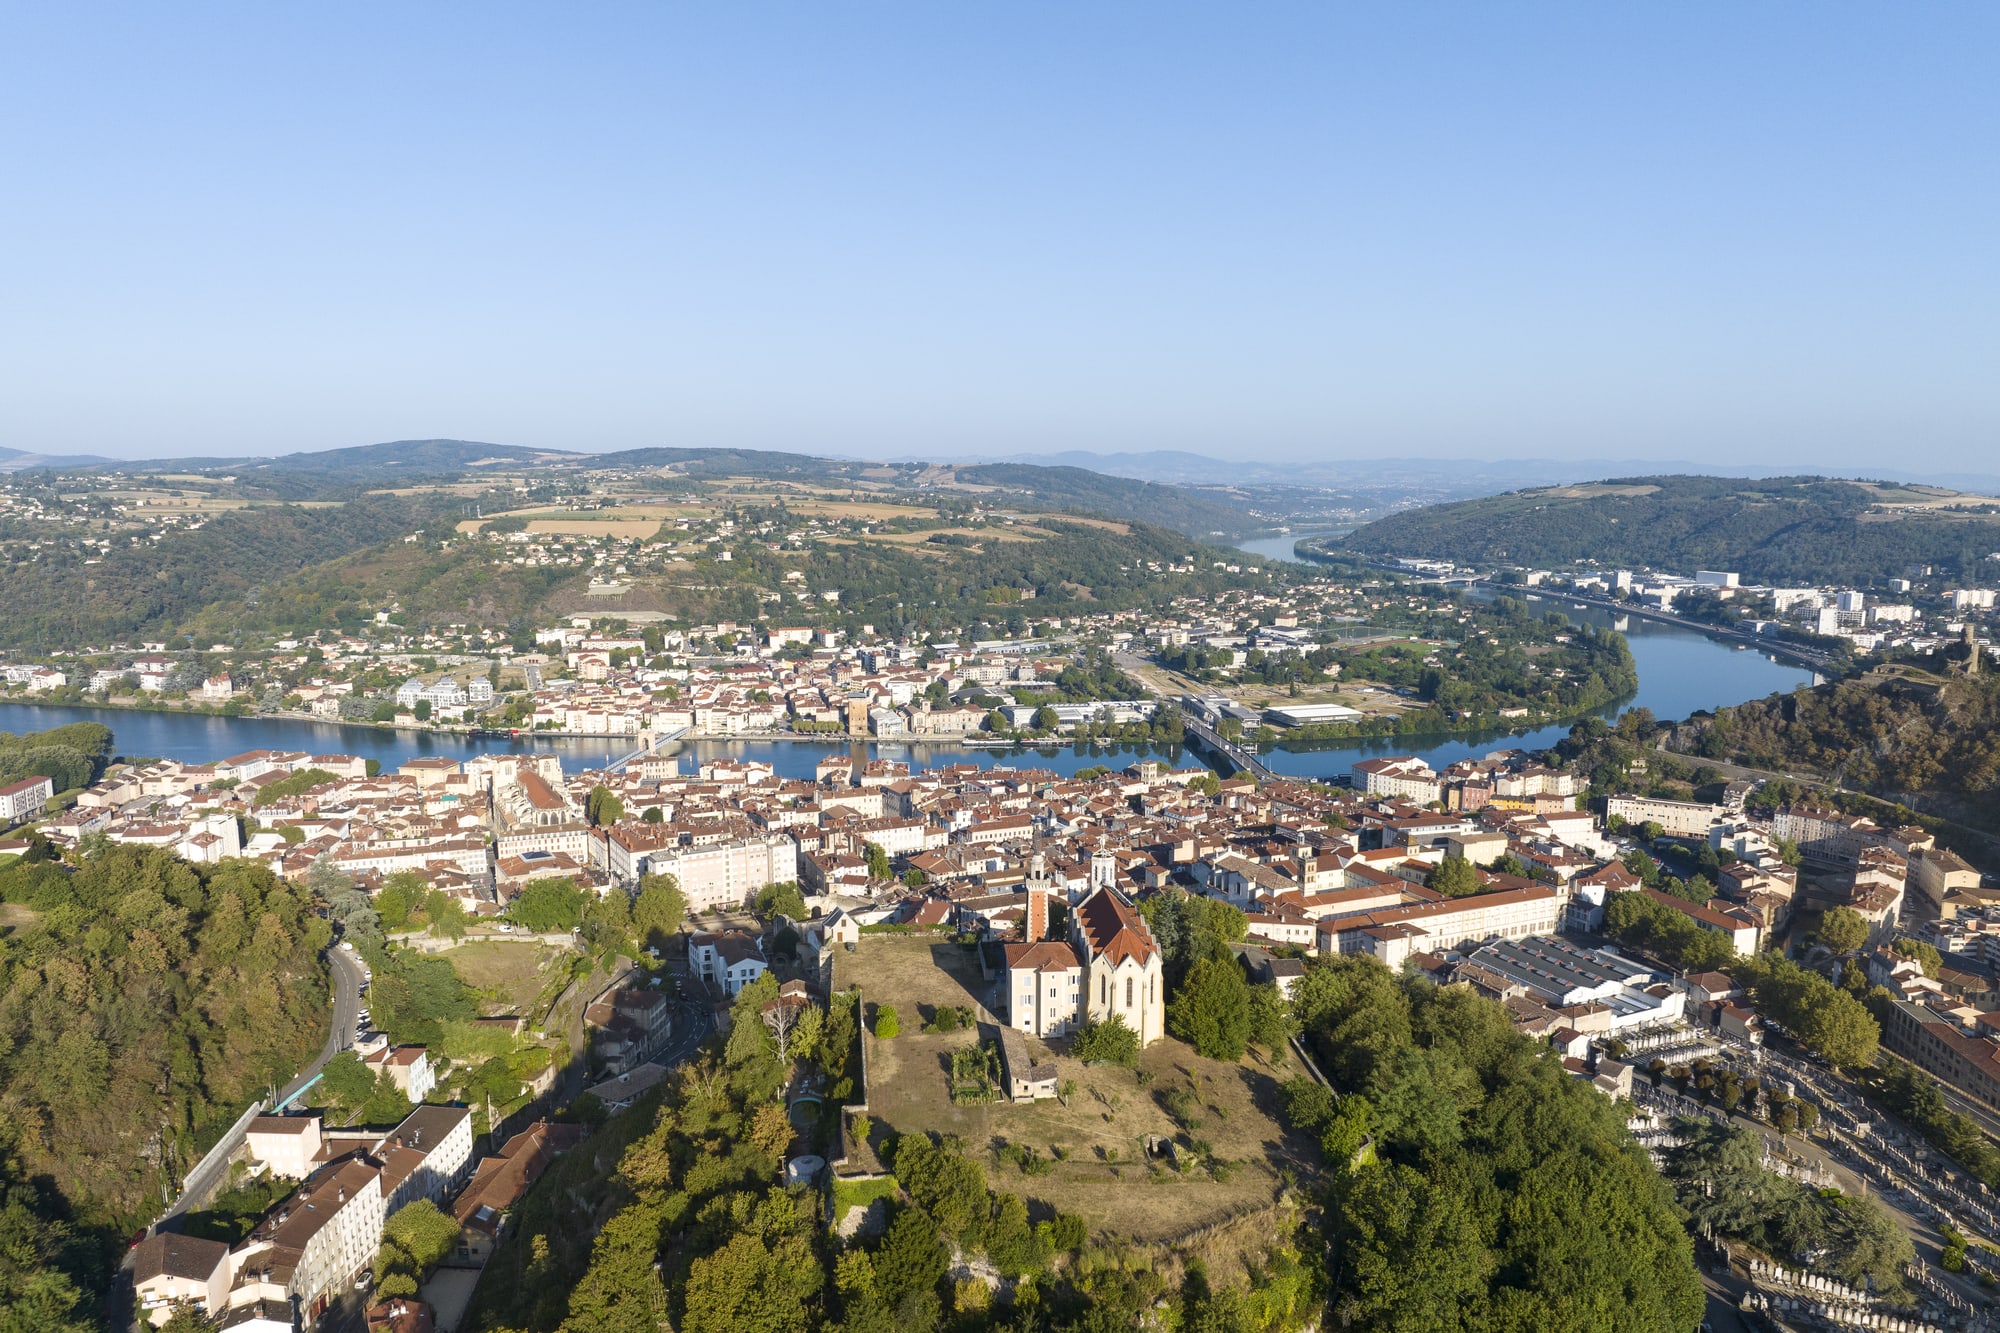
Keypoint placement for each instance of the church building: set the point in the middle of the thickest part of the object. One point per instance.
(1109, 964)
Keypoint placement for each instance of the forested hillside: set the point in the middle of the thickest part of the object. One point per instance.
(143, 1003)
(1471, 1186)
(926, 584)
(939, 585)
(1196, 513)
(140, 590)
(1807, 531)
(432, 584)
(1477, 1186)
(1893, 735)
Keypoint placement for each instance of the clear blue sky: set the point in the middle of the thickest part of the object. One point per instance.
(1748, 232)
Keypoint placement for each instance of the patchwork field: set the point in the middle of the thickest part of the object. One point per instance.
(1095, 1146)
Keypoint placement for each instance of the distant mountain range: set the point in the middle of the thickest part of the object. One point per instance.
(347, 473)
(1486, 475)
(1174, 467)
(17, 460)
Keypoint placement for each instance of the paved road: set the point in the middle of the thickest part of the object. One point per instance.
(1809, 657)
(1237, 756)
(346, 972)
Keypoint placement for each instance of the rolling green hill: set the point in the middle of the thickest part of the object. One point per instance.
(1782, 530)
(55, 599)
(340, 474)
(1196, 513)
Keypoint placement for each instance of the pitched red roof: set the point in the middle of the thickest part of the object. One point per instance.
(1041, 956)
(1112, 930)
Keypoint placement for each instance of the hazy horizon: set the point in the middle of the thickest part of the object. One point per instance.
(1253, 469)
(1704, 233)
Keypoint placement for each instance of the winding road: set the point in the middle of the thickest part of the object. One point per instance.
(345, 968)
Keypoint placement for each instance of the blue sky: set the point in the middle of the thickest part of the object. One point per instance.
(1744, 233)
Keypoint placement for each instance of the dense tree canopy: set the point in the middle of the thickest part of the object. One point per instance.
(1826, 1019)
(70, 756)
(1807, 531)
(1718, 1175)
(658, 911)
(1893, 737)
(1496, 1192)
(548, 906)
(143, 1005)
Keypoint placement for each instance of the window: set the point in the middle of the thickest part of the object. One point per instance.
(1128, 992)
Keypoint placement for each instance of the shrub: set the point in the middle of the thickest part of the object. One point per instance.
(1109, 1042)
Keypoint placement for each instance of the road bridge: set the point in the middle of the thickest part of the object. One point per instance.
(1201, 737)
(659, 739)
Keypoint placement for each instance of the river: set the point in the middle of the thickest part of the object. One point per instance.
(1680, 672)
(1281, 548)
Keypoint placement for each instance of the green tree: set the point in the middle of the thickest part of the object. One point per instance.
(1927, 955)
(621, 1290)
(398, 898)
(37, 1293)
(1454, 877)
(907, 1268)
(416, 1238)
(1270, 1018)
(1843, 930)
(878, 861)
(1827, 1020)
(947, 1185)
(1417, 1259)
(749, 1286)
(1045, 719)
(386, 1104)
(447, 915)
(602, 806)
(887, 1023)
(548, 906)
(422, 711)
(659, 910)
(1211, 1009)
(782, 899)
(345, 1081)
(1111, 1041)
(771, 1129)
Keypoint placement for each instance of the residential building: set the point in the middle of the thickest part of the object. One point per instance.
(172, 1271)
(1677, 819)
(23, 800)
(1405, 776)
(288, 1146)
(310, 1247)
(728, 960)
(408, 1067)
(1392, 934)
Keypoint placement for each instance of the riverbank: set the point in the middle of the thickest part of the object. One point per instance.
(1682, 670)
(1819, 662)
